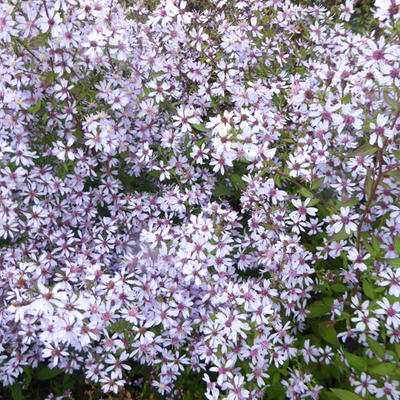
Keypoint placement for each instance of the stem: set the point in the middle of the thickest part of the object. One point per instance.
(375, 185)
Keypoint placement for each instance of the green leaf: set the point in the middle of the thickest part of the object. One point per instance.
(28, 376)
(350, 203)
(222, 190)
(376, 245)
(394, 174)
(339, 236)
(396, 244)
(339, 288)
(356, 362)
(305, 192)
(325, 395)
(200, 128)
(365, 150)
(44, 373)
(376, 347)
(345, 394)
(35, 107)
(317, 309)
(366, 244)
(394, 262)
(317, 183)
(237, 181)
(397, 349)
(368, 289)
(328, 333)
(390, 101)
(16, 391)
(382, 369)
(186, 141)
(368, 185)
(347, 98)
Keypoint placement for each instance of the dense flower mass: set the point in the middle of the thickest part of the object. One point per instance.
(208, 188)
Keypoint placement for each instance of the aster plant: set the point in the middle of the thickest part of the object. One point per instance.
(208, 190)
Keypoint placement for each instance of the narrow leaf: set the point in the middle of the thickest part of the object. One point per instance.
(328, 333)
(364, 150)
(318, 309)
(376, 347)
(45, 373)
(356, 362)
(383, 369)
(345, 394)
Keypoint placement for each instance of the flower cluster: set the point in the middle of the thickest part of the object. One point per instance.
(209, 189)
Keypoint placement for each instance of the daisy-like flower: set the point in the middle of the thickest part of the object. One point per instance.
(184, 118)
(302, 209)
(386, 9)
(110, 384)
(345, 220)
(365, 322)
(380, 131)
(379, 52)
(309, 352)
(298, 165)
(51, 20)
(62, 89)
(158, 90)
(389, 311)
(346, 10)
(354, 255)
(389, 390)
(392, 279)
(366, 384)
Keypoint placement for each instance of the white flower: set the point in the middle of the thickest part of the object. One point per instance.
(345, 220)
(366, 384)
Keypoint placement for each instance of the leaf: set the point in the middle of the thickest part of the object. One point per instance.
(35, 107)
(376, 347)
(390, 101)
(200, 128)
(367, 245)
(186, 141)
(382, 369)
(222, 190)
(339, 236)
(44, 373)
(365, 150)
(339, 288)
(317, 183)
(306, 193)
(237, 181)
(318, 309)
(16, 392)
(394, 174)
(356, 362)
(368, 289)
(350, 203)
(397, 349)
(368, 185)
(394, 262)
(325, 395)
(345, 394)
(328, 333)
(347, 98)
(396, 244)
(376, 245)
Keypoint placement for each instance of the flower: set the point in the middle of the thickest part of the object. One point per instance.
(366, 384)
(345, 220)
